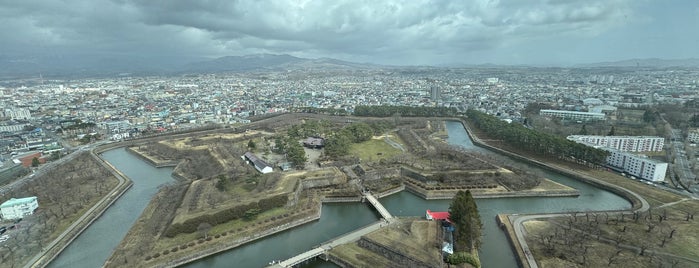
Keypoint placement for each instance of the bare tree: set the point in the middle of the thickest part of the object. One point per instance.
(204, 229)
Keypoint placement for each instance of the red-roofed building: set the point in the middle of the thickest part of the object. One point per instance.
(27, 160)
(433, 215)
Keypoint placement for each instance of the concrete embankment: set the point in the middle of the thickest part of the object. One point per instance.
(504, 223)
(449, 194)
(150, 161)
(391, 191)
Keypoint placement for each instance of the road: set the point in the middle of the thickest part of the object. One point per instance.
(682, 168)
(38, 260)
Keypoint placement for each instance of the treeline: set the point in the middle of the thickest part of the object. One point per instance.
(246, 211)
(386, 111)
(292, 148)
(328, 111)
(526, 139)
(338, 143)
(79, 125)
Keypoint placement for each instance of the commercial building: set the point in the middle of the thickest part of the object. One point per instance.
(637, 165)
(435, 93)
(622, 143)
(17, 208)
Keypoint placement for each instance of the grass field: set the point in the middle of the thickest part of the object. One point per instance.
(374, 150)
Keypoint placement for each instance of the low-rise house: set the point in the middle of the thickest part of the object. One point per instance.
(258, 163)
(314, 143)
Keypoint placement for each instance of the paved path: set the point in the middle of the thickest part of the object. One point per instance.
(673, 203)
(42, 258)
(393, 143)
(519, 232)
(323, 248)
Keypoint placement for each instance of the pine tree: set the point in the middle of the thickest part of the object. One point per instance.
(463, 212)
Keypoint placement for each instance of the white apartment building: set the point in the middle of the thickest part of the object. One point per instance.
(693, 135)
(17, 208)
(622, 143)
(637, 165)
(573, 115)
(18, 114)
(12, 128)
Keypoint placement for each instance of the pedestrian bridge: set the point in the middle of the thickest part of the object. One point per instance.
(379, 207)
(325, 247)
(344, 239)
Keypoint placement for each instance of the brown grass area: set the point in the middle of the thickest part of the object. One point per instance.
(647, 232)
(415, 238)
(204, 198)
(360, 257)
(549, 185)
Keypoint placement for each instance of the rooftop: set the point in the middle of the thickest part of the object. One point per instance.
(17, 201)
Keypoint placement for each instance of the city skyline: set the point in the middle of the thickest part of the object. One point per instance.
(559, 33)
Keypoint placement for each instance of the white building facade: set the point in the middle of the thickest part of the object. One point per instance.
(17, 208)
(693, 135)
(623, 143)
(637, 165)
(18, 114)
(573, 115)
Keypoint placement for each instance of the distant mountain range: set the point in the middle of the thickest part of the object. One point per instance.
(78, 66)
(90, 66)
(651, 62)
(258, 62)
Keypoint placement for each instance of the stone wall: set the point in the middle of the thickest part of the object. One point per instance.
(393, 255)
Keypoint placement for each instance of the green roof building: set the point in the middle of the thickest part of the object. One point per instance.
(17, 208)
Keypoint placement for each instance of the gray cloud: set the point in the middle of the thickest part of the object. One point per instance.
(418, 31)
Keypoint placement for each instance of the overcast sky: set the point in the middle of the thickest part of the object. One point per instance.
(411, 32)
